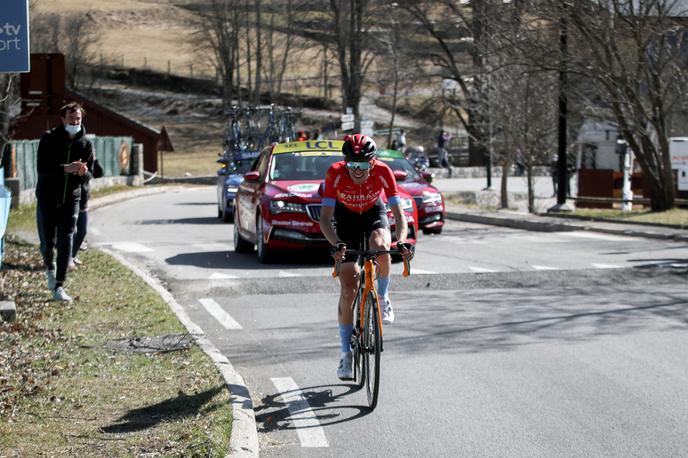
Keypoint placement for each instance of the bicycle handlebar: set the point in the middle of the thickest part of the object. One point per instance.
(372, 254)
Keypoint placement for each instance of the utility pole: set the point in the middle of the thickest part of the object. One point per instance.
(562, 186)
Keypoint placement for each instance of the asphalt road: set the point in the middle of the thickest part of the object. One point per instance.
(507, 343)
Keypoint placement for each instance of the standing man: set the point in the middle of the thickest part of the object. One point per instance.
(401, 140)
(442, 153)
(64, 163)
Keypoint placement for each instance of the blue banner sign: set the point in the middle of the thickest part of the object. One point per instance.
(14, 36)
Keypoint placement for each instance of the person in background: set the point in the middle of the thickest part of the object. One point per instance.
(82, 220)
(401, 140)
(442, 153)
(64, 163)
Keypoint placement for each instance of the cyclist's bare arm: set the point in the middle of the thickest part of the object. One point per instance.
(401, 227)
(327, 228)
(401, 230)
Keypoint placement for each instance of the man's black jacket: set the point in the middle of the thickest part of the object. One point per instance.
(54, 150)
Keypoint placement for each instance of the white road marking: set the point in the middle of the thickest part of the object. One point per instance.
(219, 276)
(420, 271)
(131, 247)
(605, 266)
(596, 236)
(536, 267)
(220, 315)
(455, 239)
(284, 273)
(301, 415)
(211, 246)
(480, 269)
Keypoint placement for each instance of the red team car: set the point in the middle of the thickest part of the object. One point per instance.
(278, 203)
(429, 199)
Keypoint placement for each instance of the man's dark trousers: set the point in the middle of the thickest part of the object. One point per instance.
(56, 224)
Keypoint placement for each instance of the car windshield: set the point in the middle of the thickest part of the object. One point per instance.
(403, 164)
(302, 166)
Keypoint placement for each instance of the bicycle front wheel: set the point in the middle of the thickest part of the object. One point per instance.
(372, 345)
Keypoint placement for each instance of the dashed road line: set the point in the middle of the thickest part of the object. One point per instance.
(604, 266)
(421, 271)
(220, 315)
(596, 236)
(220, 276)
(480, 269)
(130, 247)
(537, 267)
(306, 423)
(285, 274)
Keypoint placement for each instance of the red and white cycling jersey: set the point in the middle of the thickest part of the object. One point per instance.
(339, 187)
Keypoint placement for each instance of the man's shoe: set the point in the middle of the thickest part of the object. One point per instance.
(83, 246)
(345, 371)
(71, 266)
(77, 261)
(387, 313)
(61, 295)
(50, 275)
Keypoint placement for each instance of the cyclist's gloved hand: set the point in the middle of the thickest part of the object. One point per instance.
(407, 250)
(337, 251)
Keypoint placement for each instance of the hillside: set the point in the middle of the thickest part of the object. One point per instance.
(154, 35)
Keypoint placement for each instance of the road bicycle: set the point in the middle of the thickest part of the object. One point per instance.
(367, 339)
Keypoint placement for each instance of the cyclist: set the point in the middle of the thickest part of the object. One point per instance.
(352, 200)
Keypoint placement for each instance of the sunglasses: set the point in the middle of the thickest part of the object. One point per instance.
(358, 165)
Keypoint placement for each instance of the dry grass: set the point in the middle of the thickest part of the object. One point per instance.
(675, 217)
(63, 393)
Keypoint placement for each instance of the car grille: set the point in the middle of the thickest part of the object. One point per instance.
(314, 211)
(419, 201)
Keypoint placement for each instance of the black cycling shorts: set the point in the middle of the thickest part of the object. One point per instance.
(350, 225)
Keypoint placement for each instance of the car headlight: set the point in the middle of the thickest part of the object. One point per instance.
(406, 204)
(280, 206)
(432, 198)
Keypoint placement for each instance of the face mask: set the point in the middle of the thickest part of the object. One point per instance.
(73, 129)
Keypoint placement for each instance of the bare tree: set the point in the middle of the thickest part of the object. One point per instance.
(46, 29)
(217, 30)
(635, 54)
(79, 44)
(458, 48)
(350, 21)
(9, 105)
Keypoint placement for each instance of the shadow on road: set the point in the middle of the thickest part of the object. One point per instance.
(273, 412)
(229, 259)
(202, 220)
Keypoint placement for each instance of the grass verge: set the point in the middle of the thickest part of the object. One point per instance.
(63, 392)
(675, 217)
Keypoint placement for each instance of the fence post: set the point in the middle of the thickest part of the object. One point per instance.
(137, 164)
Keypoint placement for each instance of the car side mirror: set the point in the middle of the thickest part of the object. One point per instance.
(321, 189)
(400, 175)
(252, 176)
(429, 177)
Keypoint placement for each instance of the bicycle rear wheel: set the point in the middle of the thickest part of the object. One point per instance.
(372, 344)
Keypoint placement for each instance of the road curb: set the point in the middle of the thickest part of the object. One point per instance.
(529, 224)
(244, 436)
(515, 223)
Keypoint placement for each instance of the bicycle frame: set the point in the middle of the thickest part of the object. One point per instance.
(368, 342)
(366, 283)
